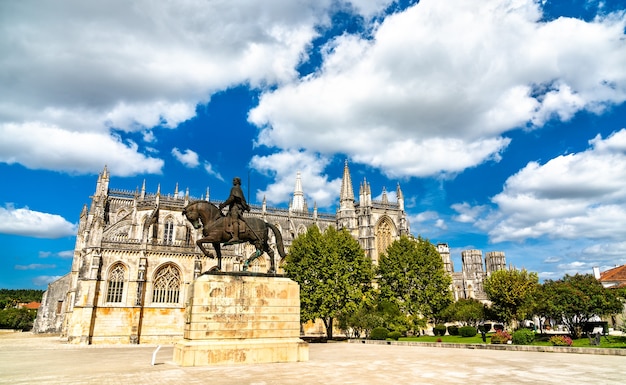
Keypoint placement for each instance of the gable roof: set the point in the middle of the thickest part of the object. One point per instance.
(616, 275)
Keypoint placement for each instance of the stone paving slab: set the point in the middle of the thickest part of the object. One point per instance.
(32, 359)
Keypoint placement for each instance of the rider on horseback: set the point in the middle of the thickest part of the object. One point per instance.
(237, 204)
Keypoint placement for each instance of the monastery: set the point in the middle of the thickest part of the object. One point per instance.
(135, 258)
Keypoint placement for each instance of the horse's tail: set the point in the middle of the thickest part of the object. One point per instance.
(279, 240)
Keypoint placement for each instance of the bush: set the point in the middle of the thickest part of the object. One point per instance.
(379, 333)
(394, 335)
(439, 330)
(467, 331)
(560, 341)
(453, 330)
(523, 337)
(498, 327)
(500, 337)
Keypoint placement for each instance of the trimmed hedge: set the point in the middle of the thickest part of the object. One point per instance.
(394, 335)
(467, 331)
(453, 330)
(379, 333)
(439, 330)
(523, 337)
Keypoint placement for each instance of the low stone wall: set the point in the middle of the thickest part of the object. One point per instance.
(518, 348)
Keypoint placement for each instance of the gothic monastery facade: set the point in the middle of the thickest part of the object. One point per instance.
(135, 258)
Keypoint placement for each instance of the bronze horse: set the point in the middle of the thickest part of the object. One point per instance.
(213, 222)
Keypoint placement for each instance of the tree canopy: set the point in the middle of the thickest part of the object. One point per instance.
(333, 273)
(411, 275)
(511, 293)
(575, 299)
(466, 311)
(11, 297)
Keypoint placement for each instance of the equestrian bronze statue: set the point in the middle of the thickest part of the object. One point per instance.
(216, 230)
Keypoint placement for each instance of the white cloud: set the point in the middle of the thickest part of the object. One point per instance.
(467, 213)
(34, 266)
(61, 254)
(187, 157)
(36, 224)
(284, 166)
(44, 280)
(446, 78)
(42, 146)
(75, 72)
(208, 167)
(575, 196)
(66, 254)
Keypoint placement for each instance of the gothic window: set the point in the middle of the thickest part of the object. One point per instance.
(187, 236)
(384, 235)
(116, 283)
(168, 236)
(166, 285)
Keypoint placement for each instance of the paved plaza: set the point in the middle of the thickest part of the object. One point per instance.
(31, 359)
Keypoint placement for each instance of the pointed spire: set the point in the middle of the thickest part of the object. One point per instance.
(143, 189)
(400, 196)
(347, 193)
(207, 197)
(385, 198)
(298, 203)
(176, 191)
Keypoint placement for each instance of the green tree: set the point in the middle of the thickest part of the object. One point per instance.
(333, 273)
(575, 299)
(511, 293)
(411, 275)
(19, 319)
(360, 323)
(466, 311)
(11, 297)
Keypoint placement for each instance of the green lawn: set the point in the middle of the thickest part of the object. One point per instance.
(606, 342)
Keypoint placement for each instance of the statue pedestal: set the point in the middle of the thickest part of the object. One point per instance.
(241, 318)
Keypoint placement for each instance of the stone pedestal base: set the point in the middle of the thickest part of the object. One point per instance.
(240, 318)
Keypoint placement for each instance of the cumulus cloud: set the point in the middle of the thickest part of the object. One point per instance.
(467, 213)
(284, 166)
(44, 280)
(42, 146)
(36, 224)
(442, 82)
(75, 73)
(581, 195)
(187, 157)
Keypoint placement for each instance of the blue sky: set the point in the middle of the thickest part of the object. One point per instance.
(503, 121)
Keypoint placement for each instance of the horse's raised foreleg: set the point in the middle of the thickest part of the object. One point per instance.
(200, 244)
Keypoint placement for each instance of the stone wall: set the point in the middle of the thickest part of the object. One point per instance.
(53, 303)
